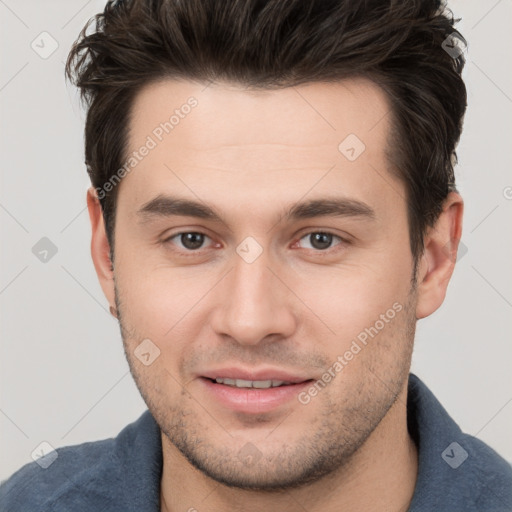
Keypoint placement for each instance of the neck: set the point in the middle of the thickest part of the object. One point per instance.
(381, 476)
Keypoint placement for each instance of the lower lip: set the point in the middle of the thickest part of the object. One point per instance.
(253, 400)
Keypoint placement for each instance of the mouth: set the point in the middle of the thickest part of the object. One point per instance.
(263, 377)
(257, 384)
(253, 392)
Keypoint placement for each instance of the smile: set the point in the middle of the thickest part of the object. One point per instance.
(259, 384)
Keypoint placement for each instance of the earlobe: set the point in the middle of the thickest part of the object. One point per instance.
(100, 247)
(440, 253)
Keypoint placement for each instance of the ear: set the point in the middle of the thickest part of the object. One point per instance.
(440, 254)
(100, 248)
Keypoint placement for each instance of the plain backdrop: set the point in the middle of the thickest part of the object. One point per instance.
(64, 378)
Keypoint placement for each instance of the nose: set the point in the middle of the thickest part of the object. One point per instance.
(254, 303)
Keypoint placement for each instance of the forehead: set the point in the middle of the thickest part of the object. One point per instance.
(241, 146)
(303, 116)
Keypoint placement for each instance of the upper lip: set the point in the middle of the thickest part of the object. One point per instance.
(256, 374)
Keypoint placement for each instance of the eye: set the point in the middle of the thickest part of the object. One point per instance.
(193, 241)
(190, 240)
(321, 240)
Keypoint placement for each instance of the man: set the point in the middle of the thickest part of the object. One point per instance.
(273, 208)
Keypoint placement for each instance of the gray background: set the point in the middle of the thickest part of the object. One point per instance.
(64, 378)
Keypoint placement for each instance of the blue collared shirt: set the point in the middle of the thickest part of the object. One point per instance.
(456, 472)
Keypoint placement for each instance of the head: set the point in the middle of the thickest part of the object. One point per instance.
(317, 140)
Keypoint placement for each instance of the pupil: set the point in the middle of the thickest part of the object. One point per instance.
(195, 240)
(321, 240)
(192, 240)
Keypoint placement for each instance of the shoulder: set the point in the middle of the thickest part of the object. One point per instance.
(489, 475)
(456, 470)
(34, 486)
(73, 477)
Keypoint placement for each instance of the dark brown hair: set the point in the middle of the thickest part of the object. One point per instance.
(398, 44)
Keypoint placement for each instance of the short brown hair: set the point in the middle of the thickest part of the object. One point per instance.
(398, 44)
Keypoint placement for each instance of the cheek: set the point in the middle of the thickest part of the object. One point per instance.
(351, 299)
(158, 302)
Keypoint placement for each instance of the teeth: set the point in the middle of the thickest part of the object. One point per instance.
(259, 384)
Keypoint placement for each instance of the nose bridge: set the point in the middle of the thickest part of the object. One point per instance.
(254, 303)
(251, 281)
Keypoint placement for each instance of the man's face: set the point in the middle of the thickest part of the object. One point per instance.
(259, 295)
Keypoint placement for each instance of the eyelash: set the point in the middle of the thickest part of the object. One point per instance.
(190, 252)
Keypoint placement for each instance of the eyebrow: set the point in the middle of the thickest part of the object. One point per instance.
(168, 206)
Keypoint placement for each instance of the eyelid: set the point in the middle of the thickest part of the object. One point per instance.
(168, 238)
(343, 240)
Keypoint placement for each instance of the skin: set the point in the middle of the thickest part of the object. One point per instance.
(250, 156)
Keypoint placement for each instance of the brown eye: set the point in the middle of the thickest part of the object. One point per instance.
(189, 241)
